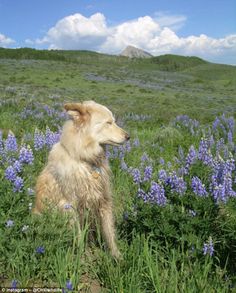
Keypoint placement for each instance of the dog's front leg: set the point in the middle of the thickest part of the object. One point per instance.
(108, 229)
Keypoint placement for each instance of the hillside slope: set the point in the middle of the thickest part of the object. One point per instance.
(161, 87)
(171, 62)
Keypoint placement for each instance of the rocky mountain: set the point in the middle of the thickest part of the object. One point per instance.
(133, 52)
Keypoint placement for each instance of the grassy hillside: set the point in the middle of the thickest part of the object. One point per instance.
(174, 183)
(125, 82)
(177, 63)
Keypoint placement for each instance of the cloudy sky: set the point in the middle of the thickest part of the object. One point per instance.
(204, 28)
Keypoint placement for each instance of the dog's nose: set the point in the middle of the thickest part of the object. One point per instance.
(127, 137)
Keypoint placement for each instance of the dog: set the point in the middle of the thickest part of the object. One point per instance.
(77, 174)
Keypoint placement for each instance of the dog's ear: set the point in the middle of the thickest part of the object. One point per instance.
(76, 110)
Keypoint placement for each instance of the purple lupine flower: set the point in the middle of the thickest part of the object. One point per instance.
(26, 155)
(231, 124)
(184, 120)
(162, 161)
(115, 152)
(39, 140)
(204, 153)
(221, 180)
(228, 122)
(50, 112)
(226, 152)
(156, 194)
(216, 124)
(18, 184)
(223, 129)
(219, 145)
(198, 187)
(63, 116)
(230, 165)
(69, 285)
(203, 148)
(182, 171)
(10, 174)
(40, 250)
(17, 166)
(136, 175)
(122, 153)
(123, 165)
(127, 146)
(144, 157)
(218, 170)
(176, 183)
(136, 142)
(107, 152)
(228, 185)
(9, 223)
(190, 159)
(208, 248)
(230, 137)
(192, 213)
(14, 284)
(162, 175)
(51, 138)
(147, 173)
(142, 194)
(11, 143)
(230, 140)
(219, 193)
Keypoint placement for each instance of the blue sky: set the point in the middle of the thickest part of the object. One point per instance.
(203, 28)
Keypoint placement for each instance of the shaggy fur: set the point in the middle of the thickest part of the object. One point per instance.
(77, 173)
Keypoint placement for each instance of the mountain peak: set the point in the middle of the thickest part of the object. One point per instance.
(133, 52)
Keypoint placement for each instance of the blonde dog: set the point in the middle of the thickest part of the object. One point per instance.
(77, 174)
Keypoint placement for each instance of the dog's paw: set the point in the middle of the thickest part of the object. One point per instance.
(116, 254)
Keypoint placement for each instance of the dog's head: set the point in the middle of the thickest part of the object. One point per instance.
(97, 121)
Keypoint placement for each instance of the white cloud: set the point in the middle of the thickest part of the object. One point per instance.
(137, 32)
(174, 22)
(77, 32)
(5, 41)
(154, 34)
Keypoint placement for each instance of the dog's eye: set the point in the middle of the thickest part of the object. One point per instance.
(109, 122)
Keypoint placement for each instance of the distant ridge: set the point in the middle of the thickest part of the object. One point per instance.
(170, 62)
(133, 52)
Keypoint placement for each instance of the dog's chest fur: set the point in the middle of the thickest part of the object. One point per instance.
(80, 181)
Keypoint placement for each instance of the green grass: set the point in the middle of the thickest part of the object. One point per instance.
(146, 96)
(150, 268)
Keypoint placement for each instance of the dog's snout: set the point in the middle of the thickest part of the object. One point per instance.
(127, 137)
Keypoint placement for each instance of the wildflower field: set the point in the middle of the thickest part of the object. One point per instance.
(174, 182)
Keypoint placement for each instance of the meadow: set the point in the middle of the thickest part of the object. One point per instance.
(174, 182)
